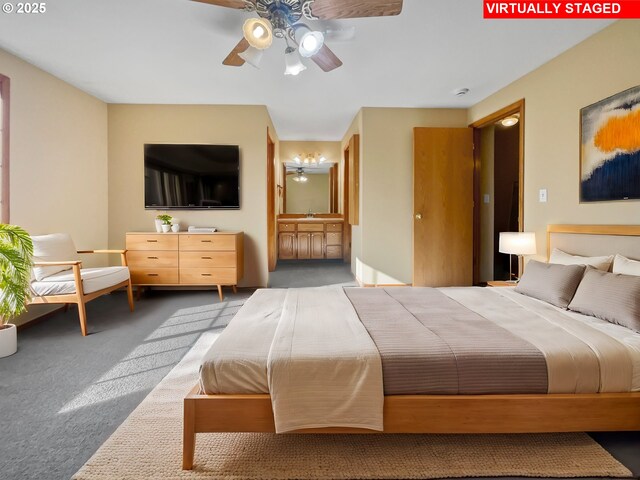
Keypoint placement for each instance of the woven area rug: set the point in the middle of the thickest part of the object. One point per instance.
(148, 445)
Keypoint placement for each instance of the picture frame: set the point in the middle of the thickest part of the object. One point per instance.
(610, 148)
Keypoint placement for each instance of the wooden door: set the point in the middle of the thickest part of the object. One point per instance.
(317, 245)
(287, 246)
(443, 207)
(304, 246)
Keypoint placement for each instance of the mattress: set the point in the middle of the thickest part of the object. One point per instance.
(445, 341)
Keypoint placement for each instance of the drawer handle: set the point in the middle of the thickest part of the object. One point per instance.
(206, 258)
(152, 241)
(205, 241)
(152, 274)
(205, 274)
(152, 258)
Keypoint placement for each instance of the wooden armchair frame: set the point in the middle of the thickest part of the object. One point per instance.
(79, 297)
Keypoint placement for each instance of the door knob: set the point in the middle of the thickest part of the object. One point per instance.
(418, 216)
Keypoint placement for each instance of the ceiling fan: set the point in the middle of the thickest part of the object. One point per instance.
(282, 19)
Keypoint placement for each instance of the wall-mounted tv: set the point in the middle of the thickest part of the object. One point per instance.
(191, 176)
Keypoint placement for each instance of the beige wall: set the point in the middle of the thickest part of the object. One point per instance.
(310, 196)
(386, 187)
(131, 126)
(58, 154)
(602, 65)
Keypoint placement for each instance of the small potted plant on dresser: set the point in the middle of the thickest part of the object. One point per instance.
(16, 254)
(166, 222)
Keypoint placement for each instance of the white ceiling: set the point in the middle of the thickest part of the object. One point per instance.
(170, 51)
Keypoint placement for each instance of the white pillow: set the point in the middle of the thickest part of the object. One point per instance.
(56, 247)
(563, 258)
(626, 266)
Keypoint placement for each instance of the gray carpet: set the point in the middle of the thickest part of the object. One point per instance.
(62, 395)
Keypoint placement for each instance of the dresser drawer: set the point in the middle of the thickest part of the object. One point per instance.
(153, 276)
(310, 227)
(334, 251)
(209, 276)
(286, 227)
(334, 227)
(200, 242)
(152, 258)
(152, 241)
(334, 238)
(207, 259)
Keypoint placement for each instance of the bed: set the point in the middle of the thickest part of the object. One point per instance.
(530, 386)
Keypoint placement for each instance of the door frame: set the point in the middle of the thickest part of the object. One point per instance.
(272, 248)
(516, 107)
(346, 230)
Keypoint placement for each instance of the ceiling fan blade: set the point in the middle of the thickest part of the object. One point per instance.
(335, 9)
(326, 59)
(239, 4)
(233, 60)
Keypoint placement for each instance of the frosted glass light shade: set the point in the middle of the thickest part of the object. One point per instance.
(258, 32)
(311, 43)
(293, 62)
(517, 243)
(252, 56)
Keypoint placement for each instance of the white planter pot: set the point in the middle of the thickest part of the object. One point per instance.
(175, 228)
(166, 228)
(8, 340)
(158, 226)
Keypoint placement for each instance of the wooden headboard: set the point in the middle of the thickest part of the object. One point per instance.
(595, 240)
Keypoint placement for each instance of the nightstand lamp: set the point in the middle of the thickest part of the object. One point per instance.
(517, 243)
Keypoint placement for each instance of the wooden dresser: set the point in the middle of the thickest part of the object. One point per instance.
(186, 259)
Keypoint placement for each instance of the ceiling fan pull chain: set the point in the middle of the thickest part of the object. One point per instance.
(306, 10)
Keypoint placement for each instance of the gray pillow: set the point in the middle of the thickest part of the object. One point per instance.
(613, 297)
(553, 283)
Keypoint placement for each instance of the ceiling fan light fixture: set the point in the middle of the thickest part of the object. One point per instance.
(293, 65)
(311, 43)
(258, 32)
(252, 56)
(510, 121)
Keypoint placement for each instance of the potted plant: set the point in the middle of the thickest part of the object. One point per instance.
(166, 221)
(16, 254)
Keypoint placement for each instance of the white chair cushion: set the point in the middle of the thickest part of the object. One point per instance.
(93, 279)
(56, 247)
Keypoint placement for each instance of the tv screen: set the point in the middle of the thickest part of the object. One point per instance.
(191, 176)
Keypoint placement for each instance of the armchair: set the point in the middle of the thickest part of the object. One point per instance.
(58, 276)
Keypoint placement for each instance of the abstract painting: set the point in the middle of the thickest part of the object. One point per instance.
(610, 148)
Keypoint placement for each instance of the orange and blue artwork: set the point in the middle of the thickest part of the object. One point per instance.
(610, 148)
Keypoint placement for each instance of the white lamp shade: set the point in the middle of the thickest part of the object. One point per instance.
(311, 43)
(258, 32)
(293, 63)
(252, 56)
(517, 243)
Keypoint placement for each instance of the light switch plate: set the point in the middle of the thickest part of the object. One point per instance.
(486, 198)
(543, 195)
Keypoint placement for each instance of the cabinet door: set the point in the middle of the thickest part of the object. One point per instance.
(317, 247)
(287, 246)
(304, 246)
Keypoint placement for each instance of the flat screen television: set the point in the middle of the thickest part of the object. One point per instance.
(191, 176)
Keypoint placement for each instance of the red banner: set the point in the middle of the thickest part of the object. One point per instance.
(562, 9)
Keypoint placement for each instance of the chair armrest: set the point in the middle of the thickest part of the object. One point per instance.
(102, 251)
(57, 264)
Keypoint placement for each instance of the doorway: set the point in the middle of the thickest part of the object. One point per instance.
(498, 190)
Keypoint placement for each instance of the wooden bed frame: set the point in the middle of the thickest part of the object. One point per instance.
(437, 413)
